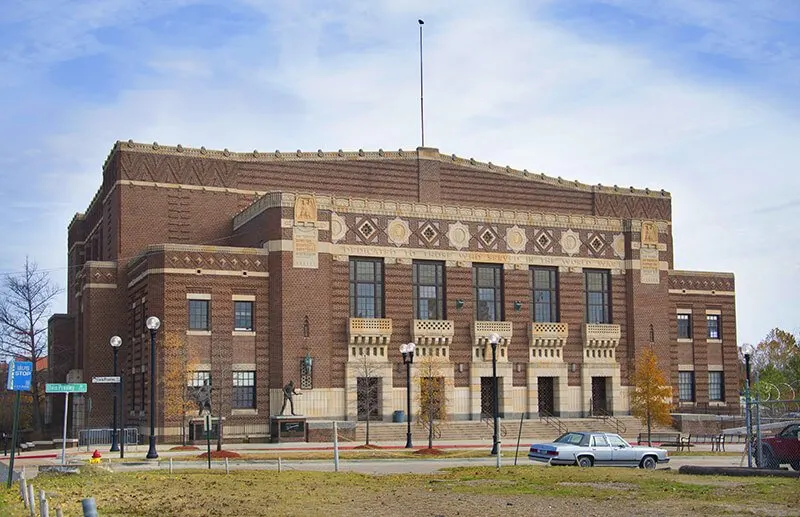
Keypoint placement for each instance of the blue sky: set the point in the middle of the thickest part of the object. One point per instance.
(697, 98)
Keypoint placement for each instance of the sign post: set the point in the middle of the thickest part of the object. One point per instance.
(207, 425)
(114, 379)
(66, 389)
(19, 379)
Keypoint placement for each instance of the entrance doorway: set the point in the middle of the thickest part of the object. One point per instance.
(487, 397)
(368, 391)
(599, 396)
(547, 397)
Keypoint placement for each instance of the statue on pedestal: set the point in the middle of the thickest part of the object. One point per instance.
(289, 391)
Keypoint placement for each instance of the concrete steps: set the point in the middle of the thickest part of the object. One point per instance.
(478, 431)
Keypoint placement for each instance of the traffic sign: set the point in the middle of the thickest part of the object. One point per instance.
(19, 375)
(65, 388)
(106, 380)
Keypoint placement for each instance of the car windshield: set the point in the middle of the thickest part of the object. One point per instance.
(570, 438)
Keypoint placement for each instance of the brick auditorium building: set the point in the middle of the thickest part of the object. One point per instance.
(270, 267)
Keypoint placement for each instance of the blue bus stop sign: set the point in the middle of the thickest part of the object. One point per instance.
(19, 375)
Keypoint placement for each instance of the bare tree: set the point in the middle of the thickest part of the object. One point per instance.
(431, 393)
(25, 301)
(368, 392)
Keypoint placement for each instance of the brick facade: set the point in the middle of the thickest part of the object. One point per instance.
(280, 229)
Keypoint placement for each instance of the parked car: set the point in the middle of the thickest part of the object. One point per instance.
(783, 447)
(587, 449)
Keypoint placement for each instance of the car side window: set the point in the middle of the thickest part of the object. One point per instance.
(616, 441)
(599, 441)
(791, 432)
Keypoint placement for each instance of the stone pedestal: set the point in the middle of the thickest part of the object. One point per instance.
(288, 429)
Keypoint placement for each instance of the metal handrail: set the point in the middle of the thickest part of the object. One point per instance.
(618, 424)
(553, 421)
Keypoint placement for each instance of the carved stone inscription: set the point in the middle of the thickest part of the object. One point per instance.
(648, 260)
(305, 252)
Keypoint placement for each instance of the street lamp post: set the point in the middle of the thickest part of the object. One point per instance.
(408, 357)
(152, 324)
(494, 338)
(116, 342)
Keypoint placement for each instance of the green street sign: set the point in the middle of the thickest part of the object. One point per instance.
(65, 388)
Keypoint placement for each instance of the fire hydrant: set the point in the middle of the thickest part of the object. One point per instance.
(95, 457)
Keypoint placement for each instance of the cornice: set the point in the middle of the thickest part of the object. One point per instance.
(427, 153)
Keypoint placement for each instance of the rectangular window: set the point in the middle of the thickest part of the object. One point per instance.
(487, 280)
(714, 328)
(366, 288)
(242, 315)
(427, 279)
(686, 386)
(684, 326)
(198, 315)
(544, 288)
(199, 378)
(244, 390)
(598, 296)
(716, 386)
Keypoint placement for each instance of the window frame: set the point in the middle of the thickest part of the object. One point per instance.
(236, 315)
(716, 379)
(552, 291)
(378, 297)
(244, 395)
(717, 326)
(496, 288)
(682, 316)
(438, 286)
(686, 387)
(605, 292)
(192, 314)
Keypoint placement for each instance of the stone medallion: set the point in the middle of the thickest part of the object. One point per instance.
(516, 239)
(398, 232)
(458, 235)
(618, 245)
(570, 242)
(338, 227)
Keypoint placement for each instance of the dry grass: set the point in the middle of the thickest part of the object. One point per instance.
(480, 491)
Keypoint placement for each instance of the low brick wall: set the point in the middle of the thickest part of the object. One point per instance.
(323, 431)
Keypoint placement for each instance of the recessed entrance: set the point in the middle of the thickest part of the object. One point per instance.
(599, 395)
(547, 397)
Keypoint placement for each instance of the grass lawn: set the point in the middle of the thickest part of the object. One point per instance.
(484, 491)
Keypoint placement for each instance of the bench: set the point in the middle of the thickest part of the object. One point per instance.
(666, 440)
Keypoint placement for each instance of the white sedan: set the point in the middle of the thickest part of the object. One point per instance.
(587, 449)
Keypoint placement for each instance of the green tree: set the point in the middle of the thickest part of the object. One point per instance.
(651, 399)
(774, 362)
(25, 301)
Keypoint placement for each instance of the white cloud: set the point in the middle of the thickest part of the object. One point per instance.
(501, 85)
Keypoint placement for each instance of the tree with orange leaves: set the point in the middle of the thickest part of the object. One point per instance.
(651, 400)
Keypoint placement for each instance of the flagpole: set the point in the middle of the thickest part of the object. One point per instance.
(421, 103)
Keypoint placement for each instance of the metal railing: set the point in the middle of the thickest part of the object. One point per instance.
(553, 421)
(618, 424)
(89, 437)
(489, 421)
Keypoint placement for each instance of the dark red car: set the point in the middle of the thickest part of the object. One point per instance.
(784, 447)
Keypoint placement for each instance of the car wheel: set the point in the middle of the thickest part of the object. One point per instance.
(649, 463)
(768, 460)
(795, 465)
(585, 461)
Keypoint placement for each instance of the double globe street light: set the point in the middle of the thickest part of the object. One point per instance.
(407, 350)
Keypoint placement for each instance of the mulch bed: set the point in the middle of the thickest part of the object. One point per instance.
(185, 448)
(220, 454)
(429, 452)
(368, 446)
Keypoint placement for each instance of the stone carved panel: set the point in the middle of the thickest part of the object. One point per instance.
(648, 260)
(649, 233)
(305, 252)
(398, 232)
(338, 227)
(516, 240)
(458, 234)
(305, 209)
(570, 242)
(618, 245)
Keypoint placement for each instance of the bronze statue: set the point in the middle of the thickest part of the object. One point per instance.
(289, 391)
(202, 395)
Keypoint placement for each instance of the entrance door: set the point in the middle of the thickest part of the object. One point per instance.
(487, 400)
(547, 399)
(369, 398)
(599, 403)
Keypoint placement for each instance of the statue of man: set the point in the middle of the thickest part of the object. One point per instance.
(289, 391)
